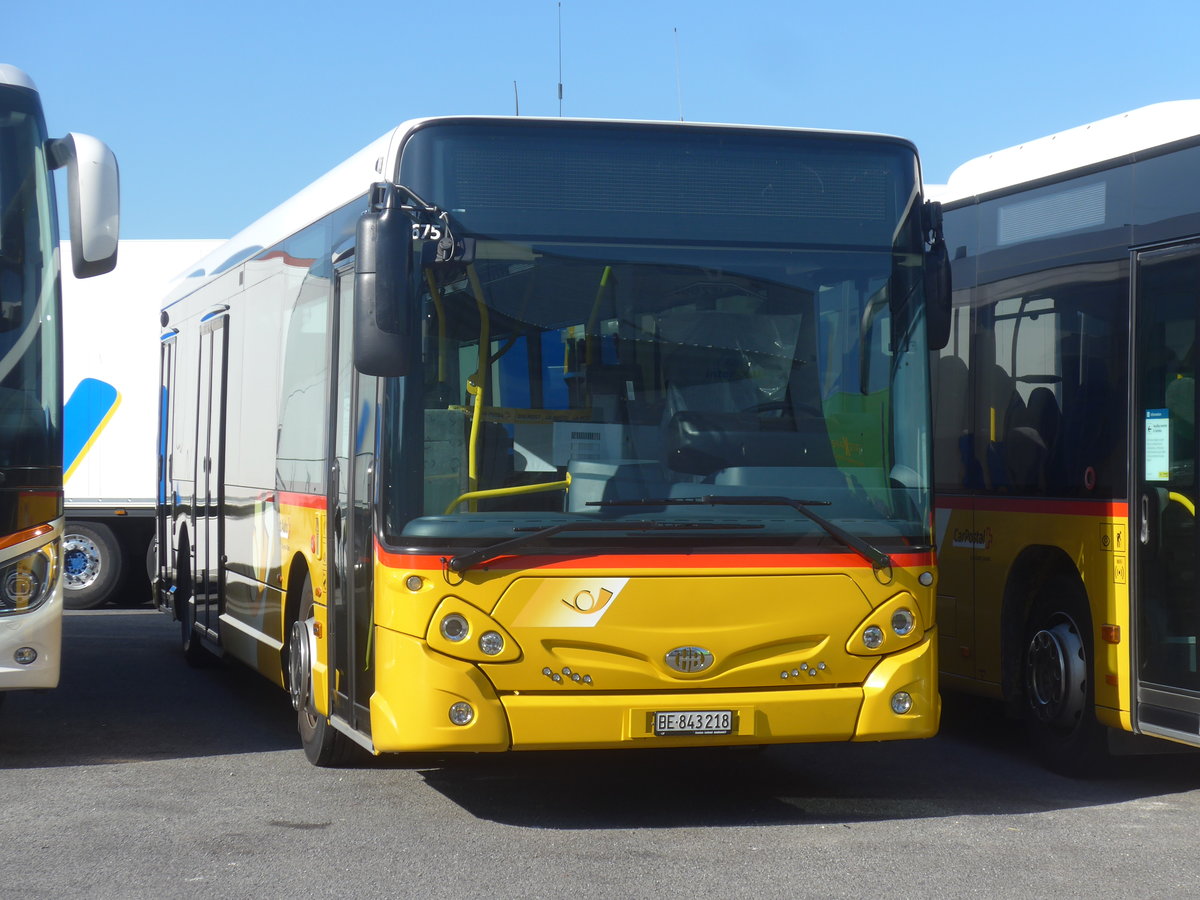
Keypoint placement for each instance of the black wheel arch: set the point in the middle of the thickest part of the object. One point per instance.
(1035, 566)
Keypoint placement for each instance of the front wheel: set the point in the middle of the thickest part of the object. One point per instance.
(1058, 681)
(323, 744)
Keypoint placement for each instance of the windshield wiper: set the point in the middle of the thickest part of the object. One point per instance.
(879, 560)
(464, 561)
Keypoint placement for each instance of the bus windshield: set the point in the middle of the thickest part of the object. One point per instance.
(720, 348)
(30, 436)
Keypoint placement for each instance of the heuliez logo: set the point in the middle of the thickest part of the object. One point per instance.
(973, 540)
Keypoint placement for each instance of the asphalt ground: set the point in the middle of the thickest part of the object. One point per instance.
(142, 777)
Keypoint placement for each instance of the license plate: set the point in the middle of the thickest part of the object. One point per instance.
(709, 721)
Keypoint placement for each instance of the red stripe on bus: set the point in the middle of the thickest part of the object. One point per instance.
(394, 560)
(1098, 508)
(308, 501)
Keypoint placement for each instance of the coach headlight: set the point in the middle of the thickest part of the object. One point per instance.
(892, 626)
(454, 628)
(28, 581)
(464, 631)
(491, 643)
(903, 622)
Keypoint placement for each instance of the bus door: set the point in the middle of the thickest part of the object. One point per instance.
(208, 524)
(165, 491)
(350, 545)
(1165, 613)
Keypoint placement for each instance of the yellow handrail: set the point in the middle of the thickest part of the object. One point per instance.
(594, 317)
(472, 496)
(1183, 501)
(477, 383)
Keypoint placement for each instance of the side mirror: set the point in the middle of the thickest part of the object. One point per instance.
(938, 288)
(94, 201)
(938, 293)
(383, 270)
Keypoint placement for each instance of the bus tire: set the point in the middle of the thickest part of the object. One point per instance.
(194, 652)
(1057, 677)
(323, 744)
(92, 565)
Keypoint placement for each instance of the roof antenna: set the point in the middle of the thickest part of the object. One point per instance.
(678, 82)
(560, 90)
(516, 99)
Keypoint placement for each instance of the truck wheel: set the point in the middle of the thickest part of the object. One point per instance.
(92, 565)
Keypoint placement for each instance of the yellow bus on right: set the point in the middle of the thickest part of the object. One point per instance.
(1065, 438)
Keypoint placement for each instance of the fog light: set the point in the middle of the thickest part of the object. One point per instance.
(491, 642)
(901, 702)
(462, 713)
(25, 656)
(414, 583)
(903, 622)
(455, 628)
(873, 637)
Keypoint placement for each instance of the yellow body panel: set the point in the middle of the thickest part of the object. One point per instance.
(584, 661)
(591, 668)
(302, 544)
(977, 550)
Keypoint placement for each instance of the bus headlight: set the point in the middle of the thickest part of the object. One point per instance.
(893, 625)
(455, 628)
(465, 631)
(491, 643)
(903, 622)
(28, 581)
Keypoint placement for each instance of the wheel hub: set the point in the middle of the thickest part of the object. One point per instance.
(1056, 676)
(300, 665)
(81, 562)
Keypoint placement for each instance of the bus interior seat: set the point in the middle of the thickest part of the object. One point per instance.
(1031, 439)
(1002, 408)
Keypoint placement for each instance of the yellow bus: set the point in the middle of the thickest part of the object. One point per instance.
(1065, 435)
(513, 433)
(31, 401)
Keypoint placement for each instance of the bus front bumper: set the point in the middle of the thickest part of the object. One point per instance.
(418, 717)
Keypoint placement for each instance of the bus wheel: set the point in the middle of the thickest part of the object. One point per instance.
(1059, 692)
(323, 744)
(189, 641)
(91, 565)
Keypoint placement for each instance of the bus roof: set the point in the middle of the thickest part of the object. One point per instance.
(13, 76)
(376, 162)
(1108, 139)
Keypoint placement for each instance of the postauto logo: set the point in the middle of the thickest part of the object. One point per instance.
(973, 540)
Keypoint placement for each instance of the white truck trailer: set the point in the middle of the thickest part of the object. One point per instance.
(110, 419)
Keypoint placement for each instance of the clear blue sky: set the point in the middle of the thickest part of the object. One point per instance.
(218, 111)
